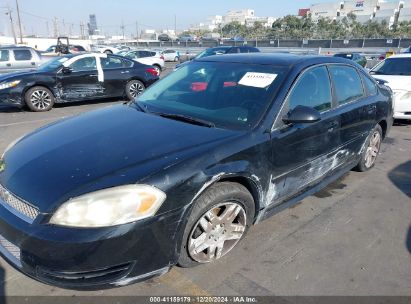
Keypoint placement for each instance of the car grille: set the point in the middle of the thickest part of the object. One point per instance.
(21, 207)
(10, 248)
(80, 278)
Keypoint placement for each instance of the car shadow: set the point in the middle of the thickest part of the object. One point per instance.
(2, 289)
(10, 109)
(401, 178)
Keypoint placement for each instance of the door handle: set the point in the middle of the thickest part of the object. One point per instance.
(125, 72)
(33, 63)
(332, 126)
(9, 64)
(93, 75)
(371, 109)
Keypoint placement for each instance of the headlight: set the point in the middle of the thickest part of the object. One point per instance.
(406, 96)
(110, 207)
(10, 84)
(11, 145)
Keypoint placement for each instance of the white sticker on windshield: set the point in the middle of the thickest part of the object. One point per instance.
(257, 80)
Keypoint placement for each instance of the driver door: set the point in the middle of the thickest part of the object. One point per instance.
(303, 153)
(82, 82)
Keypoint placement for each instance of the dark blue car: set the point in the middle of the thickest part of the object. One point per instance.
(179, 175)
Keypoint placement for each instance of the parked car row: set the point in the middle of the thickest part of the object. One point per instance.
(180, 174)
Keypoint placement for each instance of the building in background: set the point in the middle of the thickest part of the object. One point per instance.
(92, 25)
(244, 17)
(364, 10)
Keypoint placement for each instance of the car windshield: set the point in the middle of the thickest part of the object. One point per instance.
(53, 64)
(226, 95)
(211, 52)
(394, 66)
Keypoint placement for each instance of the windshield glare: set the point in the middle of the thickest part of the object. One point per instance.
(228, 95)
(394, 66)
(53, 64)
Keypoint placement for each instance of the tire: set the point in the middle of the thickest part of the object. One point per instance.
(134, 88)
(226, 198)
(157, 68)
(39, 99)
(108, 52)
(371, 150)
(176, 59)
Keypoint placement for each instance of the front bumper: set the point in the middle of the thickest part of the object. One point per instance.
(12, 96)
(87, 259)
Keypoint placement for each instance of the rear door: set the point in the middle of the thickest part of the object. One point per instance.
(356, 108)
(82, 83)
(304, 153)
(24, 59)
(116, 74)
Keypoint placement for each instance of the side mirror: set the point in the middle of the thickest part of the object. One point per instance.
(66, 70)
(302, 114)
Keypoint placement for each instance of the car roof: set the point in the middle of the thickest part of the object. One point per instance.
(274, 59)
(405, 55)
(15, 47)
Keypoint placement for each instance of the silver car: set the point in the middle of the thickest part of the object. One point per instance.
(17, 58)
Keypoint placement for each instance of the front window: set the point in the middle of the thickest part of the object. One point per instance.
(228, 95)
(22, 55)
(393, 66)
(84, 64)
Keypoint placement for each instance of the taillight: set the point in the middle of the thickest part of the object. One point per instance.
(162, 57)
(199, 86)
(152, 71)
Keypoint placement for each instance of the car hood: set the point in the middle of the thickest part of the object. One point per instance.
(14, 75)
(100, 149)
(396, 82)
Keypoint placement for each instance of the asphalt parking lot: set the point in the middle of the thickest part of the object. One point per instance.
(352, 238)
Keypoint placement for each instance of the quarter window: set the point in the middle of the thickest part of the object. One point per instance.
(4, 55)
(370, 85)
(347, 84)
(313, 90)
(21, 55)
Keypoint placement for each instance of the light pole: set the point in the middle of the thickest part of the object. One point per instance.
(18, 18)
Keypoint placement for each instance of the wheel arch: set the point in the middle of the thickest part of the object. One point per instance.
(384, 126)
(23, 96)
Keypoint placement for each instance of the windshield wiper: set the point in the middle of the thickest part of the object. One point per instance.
(189, 119)
(138, 106)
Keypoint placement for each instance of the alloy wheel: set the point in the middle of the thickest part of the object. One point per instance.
(136, 89)
(217, 232)
(373, 149)
(40, 99)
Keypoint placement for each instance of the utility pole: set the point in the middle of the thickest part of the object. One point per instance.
(18, 17)
(175, 24)
(11, 24)
(48, 30)
(122, 28)
(55, 27)
(137, 30)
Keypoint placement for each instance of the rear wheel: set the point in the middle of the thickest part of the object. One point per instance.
(176, 59)
(134, 88)
(157, 68)
(39, 99)
(371, 151)
(220, 218)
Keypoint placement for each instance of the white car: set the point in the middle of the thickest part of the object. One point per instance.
(155, 59)
(104, 49)
(395, 72)
(171, 55)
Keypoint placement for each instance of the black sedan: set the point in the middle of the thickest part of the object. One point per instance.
(76, 78)
(179, 175)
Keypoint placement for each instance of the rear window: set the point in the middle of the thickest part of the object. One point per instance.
(394, 66)
(4, 55)
(20, 55)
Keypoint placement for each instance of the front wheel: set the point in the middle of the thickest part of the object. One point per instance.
(134, 88)
(39, 99)
(371, 150)
(219, 219)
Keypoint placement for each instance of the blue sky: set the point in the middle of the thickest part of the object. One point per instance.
(149, 13)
